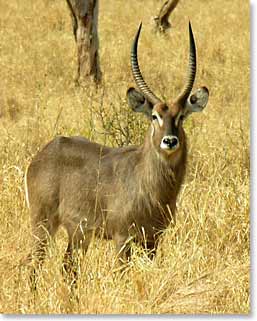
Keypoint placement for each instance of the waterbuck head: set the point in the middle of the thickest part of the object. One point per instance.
(167, 134)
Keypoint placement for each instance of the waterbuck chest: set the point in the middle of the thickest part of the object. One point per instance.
(138, 199)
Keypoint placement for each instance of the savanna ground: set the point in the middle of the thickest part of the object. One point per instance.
(203, 264)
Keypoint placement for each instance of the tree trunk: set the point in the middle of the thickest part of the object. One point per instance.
(161, 21)
(84, 14)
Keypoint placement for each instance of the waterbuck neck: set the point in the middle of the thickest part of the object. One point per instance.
(159, 177)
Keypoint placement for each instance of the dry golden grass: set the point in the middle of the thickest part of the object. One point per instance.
(203, 264)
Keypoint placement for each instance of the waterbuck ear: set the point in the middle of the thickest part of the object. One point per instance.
(196, 101)
(138, 102)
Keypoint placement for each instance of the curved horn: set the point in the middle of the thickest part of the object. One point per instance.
(182, 97)
(139, 80)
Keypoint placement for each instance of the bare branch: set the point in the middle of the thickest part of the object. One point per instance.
(84, 14)
(161, 21)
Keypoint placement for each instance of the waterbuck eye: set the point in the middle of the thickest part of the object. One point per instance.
(156, 116)
(182, 117)
(179, 119)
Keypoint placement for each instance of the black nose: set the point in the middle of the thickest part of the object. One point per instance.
(171, 142)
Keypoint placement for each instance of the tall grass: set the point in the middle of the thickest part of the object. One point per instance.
(203, 263)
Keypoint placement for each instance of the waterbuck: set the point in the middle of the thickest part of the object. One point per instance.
(118, 193)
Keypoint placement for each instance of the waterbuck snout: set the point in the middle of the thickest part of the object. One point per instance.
(115, 193)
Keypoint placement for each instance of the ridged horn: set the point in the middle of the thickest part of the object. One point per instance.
(139, 80)
(182, 97)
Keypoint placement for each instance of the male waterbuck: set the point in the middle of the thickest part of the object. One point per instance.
(118, 193)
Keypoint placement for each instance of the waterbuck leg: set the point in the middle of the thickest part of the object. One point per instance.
(42, 230)
(68, 259)
(151, 247)
(79, 239)
(123, 248)
(41, 233)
